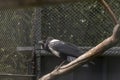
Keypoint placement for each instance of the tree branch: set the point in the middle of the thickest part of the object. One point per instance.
(99, 49)
(107, 7)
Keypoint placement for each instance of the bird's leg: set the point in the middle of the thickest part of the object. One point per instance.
(57, 67)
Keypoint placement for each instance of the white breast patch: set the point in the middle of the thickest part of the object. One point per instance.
(54, 40)
(55, 52)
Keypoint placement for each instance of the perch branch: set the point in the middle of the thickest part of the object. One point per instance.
(99, 49)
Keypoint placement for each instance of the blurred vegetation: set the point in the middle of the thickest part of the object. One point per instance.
(15, 30)
(85, 24)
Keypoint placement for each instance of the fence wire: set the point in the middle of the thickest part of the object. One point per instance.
(15, 31)
(85, 23)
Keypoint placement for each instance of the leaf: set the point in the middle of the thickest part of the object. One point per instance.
(2, 49)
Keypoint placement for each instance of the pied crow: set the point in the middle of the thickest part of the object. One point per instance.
(61, 49)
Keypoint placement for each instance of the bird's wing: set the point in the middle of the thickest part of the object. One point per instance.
(66, 48)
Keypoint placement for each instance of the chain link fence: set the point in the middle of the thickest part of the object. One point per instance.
(15, 30)
(85, 23)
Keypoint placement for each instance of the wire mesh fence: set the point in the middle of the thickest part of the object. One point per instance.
(85, 23)
(15, 30)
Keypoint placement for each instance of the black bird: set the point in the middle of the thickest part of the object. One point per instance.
(64, 50)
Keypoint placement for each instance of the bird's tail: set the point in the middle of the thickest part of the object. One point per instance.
(69, 58)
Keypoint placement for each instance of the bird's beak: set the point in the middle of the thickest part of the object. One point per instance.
(41, 43)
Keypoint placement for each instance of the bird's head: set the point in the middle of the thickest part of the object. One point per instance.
(47, 41)
(44, 43)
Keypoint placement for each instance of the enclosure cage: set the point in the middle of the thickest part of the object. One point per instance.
(84, 23)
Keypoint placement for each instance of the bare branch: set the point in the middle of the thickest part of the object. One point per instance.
(107, 7)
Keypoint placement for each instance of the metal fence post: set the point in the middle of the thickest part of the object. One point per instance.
(37, 37)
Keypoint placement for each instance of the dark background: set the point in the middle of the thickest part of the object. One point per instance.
(84, 23)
